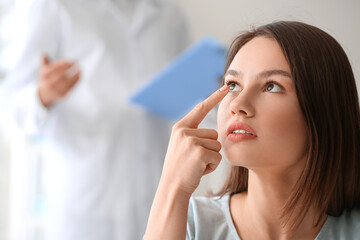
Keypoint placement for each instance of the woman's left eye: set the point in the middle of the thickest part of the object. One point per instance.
(273, 87)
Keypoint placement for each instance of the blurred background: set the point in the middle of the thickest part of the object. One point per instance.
(21, 187)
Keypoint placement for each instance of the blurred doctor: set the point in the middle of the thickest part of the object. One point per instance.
(80, 62)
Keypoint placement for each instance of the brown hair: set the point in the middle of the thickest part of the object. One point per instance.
(326, 90)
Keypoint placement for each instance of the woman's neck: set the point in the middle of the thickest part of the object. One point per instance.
(262, 205)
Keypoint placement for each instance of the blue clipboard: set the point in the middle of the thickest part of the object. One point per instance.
(186, 81)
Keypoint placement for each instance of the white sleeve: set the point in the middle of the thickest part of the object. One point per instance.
(20, 94)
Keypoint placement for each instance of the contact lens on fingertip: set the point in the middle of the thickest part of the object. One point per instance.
(224, 88)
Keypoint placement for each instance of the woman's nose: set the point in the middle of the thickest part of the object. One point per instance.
(242, 105)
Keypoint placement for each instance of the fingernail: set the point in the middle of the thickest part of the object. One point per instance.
(224, 87)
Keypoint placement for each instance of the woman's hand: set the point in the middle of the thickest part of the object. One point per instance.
(192, 152)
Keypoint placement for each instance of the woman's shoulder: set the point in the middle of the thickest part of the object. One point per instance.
(210, 202)
(346, 226)
(204, 208)
(209, 218)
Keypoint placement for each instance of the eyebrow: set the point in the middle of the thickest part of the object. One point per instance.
(264, 74)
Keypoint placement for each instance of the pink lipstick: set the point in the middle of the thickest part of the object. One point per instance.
(239, 131)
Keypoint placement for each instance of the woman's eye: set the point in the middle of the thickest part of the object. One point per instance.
(233, 86)
(273, 87)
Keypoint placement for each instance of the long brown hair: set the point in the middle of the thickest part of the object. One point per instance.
(326, 90)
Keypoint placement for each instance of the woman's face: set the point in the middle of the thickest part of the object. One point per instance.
(261, 125)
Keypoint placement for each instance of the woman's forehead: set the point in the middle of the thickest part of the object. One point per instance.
(259, 54)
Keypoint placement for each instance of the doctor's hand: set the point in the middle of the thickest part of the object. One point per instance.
(193, 152)
(57, 78)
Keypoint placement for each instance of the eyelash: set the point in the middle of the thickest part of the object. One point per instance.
(274, 82)
(228, 83)
(266, 84)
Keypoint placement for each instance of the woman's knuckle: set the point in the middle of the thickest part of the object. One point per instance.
(200, 107)
(193, 141)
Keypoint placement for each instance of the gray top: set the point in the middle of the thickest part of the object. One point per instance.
(209, 218)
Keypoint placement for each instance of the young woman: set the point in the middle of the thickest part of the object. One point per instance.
(289, 124)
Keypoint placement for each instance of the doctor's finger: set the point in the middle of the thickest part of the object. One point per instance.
(67, 84)
(60, 75)
(45, 60)
(56, 69)
(195, 116)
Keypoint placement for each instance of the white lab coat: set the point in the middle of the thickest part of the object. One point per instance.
(103, 156)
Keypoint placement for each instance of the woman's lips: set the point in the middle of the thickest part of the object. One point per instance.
(240, 131)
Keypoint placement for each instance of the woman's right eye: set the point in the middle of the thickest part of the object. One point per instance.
(233, 86)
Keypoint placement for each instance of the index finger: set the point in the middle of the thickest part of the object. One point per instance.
(45, 59)
(58, 67)
(195, 116)
(62, 65)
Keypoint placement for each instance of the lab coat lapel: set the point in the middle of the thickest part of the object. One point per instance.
(145, 12)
